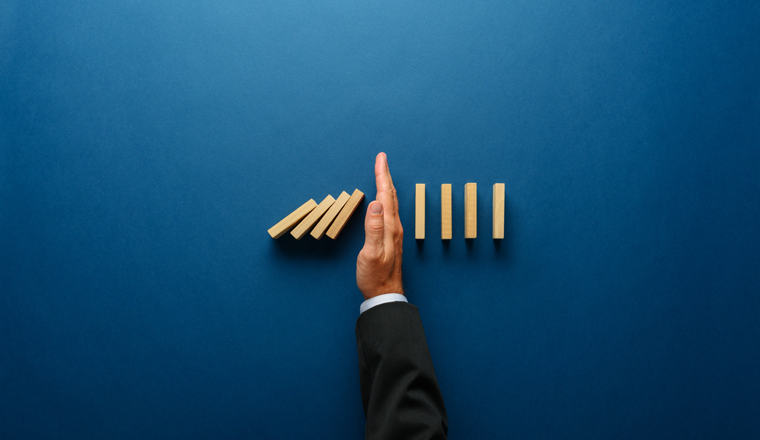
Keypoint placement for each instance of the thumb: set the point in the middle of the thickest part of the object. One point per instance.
(373, 229)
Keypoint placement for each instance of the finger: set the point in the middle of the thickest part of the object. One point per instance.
(382, 173)
(393, 187)
(393, 234)
(386, 192)
(388, 170)
(374, 231)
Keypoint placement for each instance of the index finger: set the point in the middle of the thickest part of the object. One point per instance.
(386, 192)
(383, 173)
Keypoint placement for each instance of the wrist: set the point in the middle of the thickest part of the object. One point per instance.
(397, 289)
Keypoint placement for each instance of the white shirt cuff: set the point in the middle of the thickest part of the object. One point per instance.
(381, 299)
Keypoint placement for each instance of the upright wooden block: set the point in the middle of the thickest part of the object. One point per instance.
(333, 212)
(294, 217)
(470, 210)
(419, 212)
(446, 211)
(498, 211)
(312, 218)
(345, 214)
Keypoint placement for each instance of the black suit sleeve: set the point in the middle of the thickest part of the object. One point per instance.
(400, 393)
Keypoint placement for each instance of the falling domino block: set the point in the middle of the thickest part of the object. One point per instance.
(446, 211)
(294, 217)
(319, 231)
(419, 212)
(345, 214)
(498, 211)
(312, 218)
(470, 210)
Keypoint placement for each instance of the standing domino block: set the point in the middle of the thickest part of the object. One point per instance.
(294, 217)
(446, 211)
(419, 212)
(498, 211)
(470, 210)
(312, 218)
(345, 214)
(323, 224)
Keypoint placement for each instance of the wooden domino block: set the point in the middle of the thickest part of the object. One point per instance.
(470, 210)
(419, 212)
(329, 216)
(294, 217)
(498, 211)
(345, 214)
(312, 218)
(446, 211)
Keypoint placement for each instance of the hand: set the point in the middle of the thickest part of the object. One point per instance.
(378, 267)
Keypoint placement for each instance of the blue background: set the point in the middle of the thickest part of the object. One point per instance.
(147, 146)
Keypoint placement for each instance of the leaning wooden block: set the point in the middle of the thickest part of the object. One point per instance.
(333, 212)
(288, 222)
(312, 218)
(471, 210)
(446, 211)
(498, 211)
(419, 212)
(345, 214)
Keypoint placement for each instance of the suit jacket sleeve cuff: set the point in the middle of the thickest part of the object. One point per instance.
(381, 299)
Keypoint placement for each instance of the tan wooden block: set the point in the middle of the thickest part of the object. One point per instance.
(312, 218)
(446, 211)
(498, 211)
(419, 212)
(292, 219)
(319, 231)
(345, 214)
(471, 210)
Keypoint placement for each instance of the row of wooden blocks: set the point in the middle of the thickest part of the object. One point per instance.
(470, 211)
(330, 216)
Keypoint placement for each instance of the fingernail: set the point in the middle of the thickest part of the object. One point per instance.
(376, 208)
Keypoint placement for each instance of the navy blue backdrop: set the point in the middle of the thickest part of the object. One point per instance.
(147, 146)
